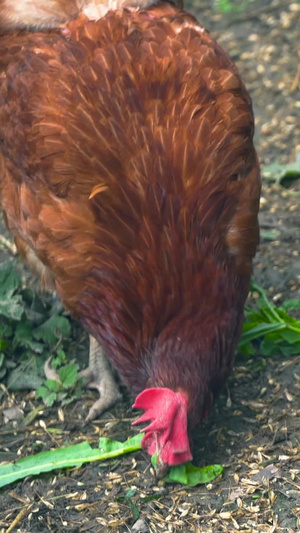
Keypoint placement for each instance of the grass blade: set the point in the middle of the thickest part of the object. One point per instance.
(259, 331)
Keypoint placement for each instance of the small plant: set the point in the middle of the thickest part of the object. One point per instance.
(30, 330)
(67, 388)
(268, 329)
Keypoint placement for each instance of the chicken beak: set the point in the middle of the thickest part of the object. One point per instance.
(161, 468)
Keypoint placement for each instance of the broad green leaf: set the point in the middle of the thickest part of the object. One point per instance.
(259, 331)
(82, 453)
(10, 280)
(23, 337)
(12, 308)
(192, 474)
(290, 350)
(68, 375)
(247, 349)
(47, 396)
(53, 385)
(285, 317)
(274, 329)
(277, 172)
(51, 330)
(269, 347)
(6, 330)
(188, 474)
(65, 458)
(36, 307)
(290, 305)
(290, 336)
(59, 359)
(111, 447)
(272, 309)
(20, 380)
(3, 345)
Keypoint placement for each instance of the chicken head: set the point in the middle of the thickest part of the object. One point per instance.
(166, 435)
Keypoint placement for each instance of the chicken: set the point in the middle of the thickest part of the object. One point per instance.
(131, 184)
(47, 14)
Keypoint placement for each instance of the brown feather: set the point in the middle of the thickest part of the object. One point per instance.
(128, 166)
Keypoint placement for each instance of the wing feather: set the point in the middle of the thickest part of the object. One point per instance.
(131, 142)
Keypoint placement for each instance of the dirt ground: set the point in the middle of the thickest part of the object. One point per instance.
(254, 429)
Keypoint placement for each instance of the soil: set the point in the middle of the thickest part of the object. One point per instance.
(254, 429)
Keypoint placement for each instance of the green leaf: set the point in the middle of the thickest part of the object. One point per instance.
(10, 280)
(65, 458)
(264, 300)
(23, 337)
(47, 396)
(110, 447)
(230, 6)
(193, 474)
(290, 336)
(288, 319)
(134, 510)
(290, 305)
(82, 453)
(68, 375)
(36, 307)
(12, 308)
(53, 329)
(272, 327)
(259, 331)
(2, 374)
(53, 385)
(127, 498)
(277, 172)
(130, 493)
(290, 350)
(6, 330)
(60, 359)
(188, 474)
(247, 349)
(3, 345)
(21, 380)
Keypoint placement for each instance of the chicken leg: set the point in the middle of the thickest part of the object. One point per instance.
(98, 376)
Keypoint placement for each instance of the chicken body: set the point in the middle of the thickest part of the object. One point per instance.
(127, 165)
(47, 14)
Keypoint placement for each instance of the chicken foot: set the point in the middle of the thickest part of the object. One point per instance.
(98, 375)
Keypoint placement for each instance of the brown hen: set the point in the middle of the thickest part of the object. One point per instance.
(130, 181)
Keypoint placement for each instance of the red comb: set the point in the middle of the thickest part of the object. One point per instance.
(166, 411)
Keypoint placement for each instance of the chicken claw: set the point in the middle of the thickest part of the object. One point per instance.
(98, 376)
